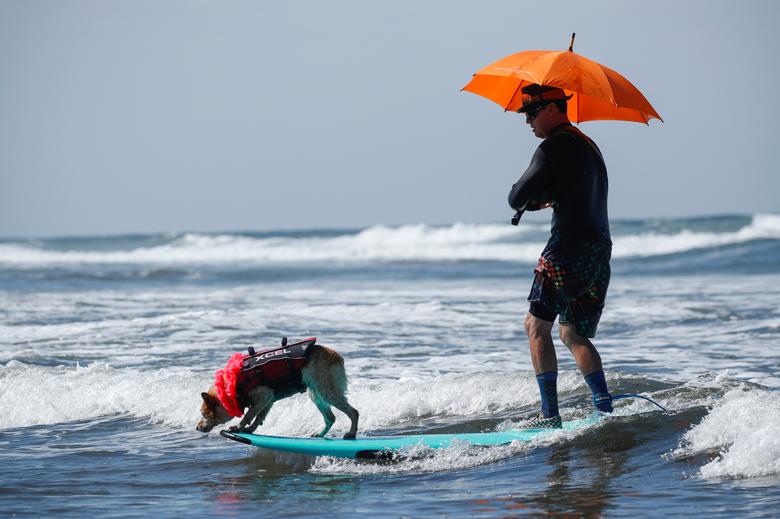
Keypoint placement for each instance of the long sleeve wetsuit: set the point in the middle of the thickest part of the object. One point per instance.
(568, 171)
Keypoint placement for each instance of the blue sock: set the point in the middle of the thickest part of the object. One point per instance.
(598, 386)
(548, 388)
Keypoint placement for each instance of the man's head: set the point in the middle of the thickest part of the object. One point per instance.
(544, 108)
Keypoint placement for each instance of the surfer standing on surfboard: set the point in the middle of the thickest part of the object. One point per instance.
(567, 173)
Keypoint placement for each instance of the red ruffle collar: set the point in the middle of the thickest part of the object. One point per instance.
(225, 382)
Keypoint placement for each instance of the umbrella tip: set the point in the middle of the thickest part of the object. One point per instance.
(571, 43)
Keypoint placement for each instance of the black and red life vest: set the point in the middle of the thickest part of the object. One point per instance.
(277, 368)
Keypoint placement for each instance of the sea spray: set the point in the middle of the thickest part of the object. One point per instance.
(742, 428)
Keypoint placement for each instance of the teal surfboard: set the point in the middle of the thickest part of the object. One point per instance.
(384, 447)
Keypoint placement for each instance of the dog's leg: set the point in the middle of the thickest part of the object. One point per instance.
(325, 377)
(327, 414)
(262, 399)
(340, 403)
(258, 421)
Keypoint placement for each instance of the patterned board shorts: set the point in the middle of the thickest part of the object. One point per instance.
(571, 280)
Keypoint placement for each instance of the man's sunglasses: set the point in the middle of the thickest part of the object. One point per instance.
(531, 113)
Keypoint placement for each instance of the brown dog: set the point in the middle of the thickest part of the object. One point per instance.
(257, 380)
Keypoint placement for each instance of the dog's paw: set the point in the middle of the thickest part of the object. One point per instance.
(349, 436)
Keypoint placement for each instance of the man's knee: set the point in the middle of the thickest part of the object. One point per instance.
(536, 327)
(570, 336)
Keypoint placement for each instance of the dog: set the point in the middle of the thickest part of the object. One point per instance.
(257, 380)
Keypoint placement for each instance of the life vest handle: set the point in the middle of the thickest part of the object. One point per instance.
(252, 351)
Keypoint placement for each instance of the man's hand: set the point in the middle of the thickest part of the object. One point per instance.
(538, 207)
(540, 200)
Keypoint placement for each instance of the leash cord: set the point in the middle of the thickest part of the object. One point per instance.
(633, 395)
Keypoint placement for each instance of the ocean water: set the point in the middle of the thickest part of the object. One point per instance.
(107, 342)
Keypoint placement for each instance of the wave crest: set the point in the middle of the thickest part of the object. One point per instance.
(456, 242)
(742, 429)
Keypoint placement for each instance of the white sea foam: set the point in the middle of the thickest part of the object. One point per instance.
(408, 242)
(392, 329)
(34, 395)
(763, 226)
(742, 428)
(476, 395)
(460, 242)
(420, 459)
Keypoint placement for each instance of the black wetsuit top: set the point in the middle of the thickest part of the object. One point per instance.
(567, 170)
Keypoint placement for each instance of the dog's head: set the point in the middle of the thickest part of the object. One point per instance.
(213, 413)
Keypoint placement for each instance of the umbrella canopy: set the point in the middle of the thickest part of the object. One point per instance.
(598, 92)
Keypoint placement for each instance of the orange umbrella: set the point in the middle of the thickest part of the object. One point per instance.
(599, 93)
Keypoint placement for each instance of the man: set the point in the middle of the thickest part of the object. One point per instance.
(567, 173)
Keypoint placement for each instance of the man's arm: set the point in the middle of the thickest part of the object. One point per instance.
(534, 178)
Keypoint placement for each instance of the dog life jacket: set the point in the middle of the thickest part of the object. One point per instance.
(277, 368)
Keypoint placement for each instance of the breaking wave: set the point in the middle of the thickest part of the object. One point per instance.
(740, 434)
(37, 395)
(457, 242)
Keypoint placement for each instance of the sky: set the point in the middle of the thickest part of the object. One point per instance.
(146, 116)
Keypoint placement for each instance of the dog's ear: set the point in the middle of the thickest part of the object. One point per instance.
(206, 397)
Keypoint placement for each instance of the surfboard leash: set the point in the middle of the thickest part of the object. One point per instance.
(634, 395)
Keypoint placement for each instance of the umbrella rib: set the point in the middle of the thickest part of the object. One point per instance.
(520, 84)
(538, 81)
(578, 108)
(611, 93)
(646, 116)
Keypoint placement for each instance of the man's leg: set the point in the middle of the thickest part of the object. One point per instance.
(540, 340)
(589, 361)
(585, 354)
(544, 361)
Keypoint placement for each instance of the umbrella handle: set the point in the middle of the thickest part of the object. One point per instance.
(571, 43)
